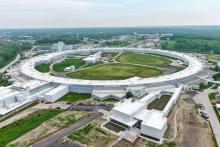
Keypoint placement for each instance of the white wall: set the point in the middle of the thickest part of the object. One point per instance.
(56, 93)
(153, 132)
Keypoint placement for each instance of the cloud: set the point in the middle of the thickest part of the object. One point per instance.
(99, 13)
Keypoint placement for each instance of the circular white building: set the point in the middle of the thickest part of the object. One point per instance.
(194, 66)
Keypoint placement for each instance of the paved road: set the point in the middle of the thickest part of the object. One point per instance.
(10, 64)
(202, 98)
(51, 140)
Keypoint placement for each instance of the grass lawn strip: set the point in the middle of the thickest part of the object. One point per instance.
(115, 72)
(59, 67)
(145, 59)
(21, 127)
(74, 97)
(160, 103)
(44, 68)
(50, 126)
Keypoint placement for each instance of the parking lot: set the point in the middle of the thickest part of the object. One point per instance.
(90, 107)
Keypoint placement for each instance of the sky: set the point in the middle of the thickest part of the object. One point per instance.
(107, 13)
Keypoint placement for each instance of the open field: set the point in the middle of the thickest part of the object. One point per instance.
(92, 135)
(160, 103)
(59, 67)
(44, 68)
(144, 59)
(115, 72)
(52, 125)
(213, 57)
(74, 97)
(21, 127)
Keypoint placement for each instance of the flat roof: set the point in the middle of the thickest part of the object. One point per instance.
(128, 107)
(57, 89)
(154, 119)
(194, 66)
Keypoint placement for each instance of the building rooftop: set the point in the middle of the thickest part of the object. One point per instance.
(129, 107)
(154, 119)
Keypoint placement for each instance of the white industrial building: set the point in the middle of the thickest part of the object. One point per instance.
(134, 113)
(93, 58)
(59, 46)
(69, 69)
(56, 93)
(19, 94)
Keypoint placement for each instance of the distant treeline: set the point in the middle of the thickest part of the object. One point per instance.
(201, 44)
(9, 50)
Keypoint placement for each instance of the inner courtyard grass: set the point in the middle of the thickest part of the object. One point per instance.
(59, 67)
(23, 126)
(144, 59)
(159, 104)
(44, 68)
(74, 97)
(115, 72)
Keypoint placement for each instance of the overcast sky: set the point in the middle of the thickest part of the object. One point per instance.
(107, 13)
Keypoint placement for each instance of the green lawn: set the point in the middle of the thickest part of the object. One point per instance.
(44, 68)
(115, 72)
(159, 104)
(74, 97)
(144, 59)
(59, 67)
(21, 127)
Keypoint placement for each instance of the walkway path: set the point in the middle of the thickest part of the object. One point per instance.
(202, 98)
(49, 141)
(10, 64)
(175, 123)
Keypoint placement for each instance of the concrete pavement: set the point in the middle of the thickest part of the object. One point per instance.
(202, 98)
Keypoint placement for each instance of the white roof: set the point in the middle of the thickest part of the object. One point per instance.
(30, 84)
(107, 93)
(148, 97)
(128, 107)
(154, 119)
(194, 66)
(57, 89)
(218, 106)
(129, 122)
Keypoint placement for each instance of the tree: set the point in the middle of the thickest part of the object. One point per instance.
(129, 94)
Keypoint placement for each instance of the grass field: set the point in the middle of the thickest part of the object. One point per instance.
(144, 59)
(21, 127)
(213, 57)
(115, 72)
(159, 104)
(74, 97)
(44, 68)
(59, 67)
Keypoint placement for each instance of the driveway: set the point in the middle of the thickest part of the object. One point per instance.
(53, 139)
(202, 98)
